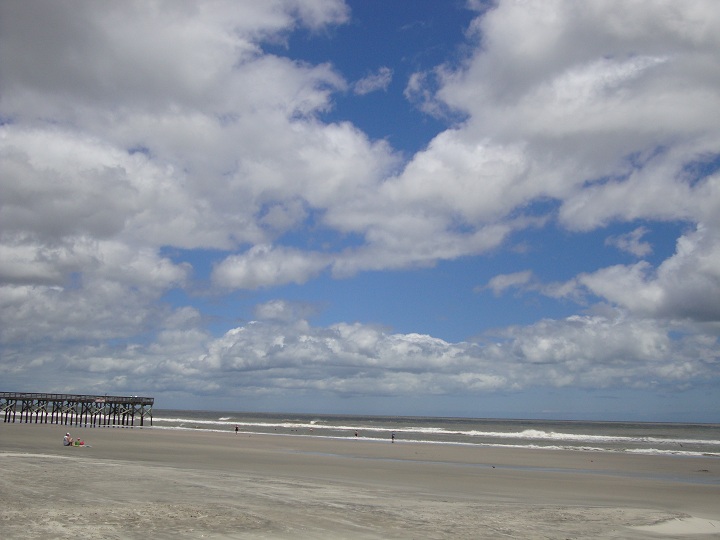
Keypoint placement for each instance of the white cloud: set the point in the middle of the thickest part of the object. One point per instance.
(499, 284)
(282, 354)
(420, 91)
(603, 107)
(264, 265)
(578, 108)
(658, 188)
(230, 151)
(598, 352)
(207, 143)
(631, 242)
(374, 82)
(107, 291)
(281, 310)
(685, 286)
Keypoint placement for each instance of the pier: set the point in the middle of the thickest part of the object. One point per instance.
(75, 410)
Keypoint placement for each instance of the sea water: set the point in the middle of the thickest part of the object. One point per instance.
(629, 437)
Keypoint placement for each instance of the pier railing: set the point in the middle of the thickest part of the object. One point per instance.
(75, 409)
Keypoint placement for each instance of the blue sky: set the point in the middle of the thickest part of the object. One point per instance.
(422, 208)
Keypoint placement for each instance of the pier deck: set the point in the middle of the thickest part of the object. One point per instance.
(75, 409)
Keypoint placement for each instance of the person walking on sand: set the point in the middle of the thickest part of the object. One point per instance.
(67, 440)
(236, 430)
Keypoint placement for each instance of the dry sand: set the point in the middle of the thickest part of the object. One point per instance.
(151, 483)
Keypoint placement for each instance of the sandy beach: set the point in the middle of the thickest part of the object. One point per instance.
(151, 483)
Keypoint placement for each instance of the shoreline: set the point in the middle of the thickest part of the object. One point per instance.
(583, 449)
(284, 486)
(646, 438)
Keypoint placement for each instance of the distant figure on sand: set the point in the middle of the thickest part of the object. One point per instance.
(236, 430)
(67, 440)
(356, 433)
(393, 436)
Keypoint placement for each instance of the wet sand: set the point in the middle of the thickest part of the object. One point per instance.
(152, 483)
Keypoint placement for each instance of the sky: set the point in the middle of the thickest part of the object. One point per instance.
(453, 208)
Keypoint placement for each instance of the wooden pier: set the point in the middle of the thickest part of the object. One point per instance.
(75, 410)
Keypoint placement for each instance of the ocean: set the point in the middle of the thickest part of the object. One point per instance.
(628, 437)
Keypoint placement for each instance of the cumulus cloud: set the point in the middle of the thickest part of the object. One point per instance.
(374, 82)
(595, 351)
(264, 265)
(115, 145)
(107, 291)
(281, 310)
(684, 286)
(595, 127)
(607, 125)
(631, 242)
(581, 110)
(282, 353)
(220, 147)
(499, 284)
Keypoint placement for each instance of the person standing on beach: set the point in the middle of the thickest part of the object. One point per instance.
(236, 430)
(392, 437)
